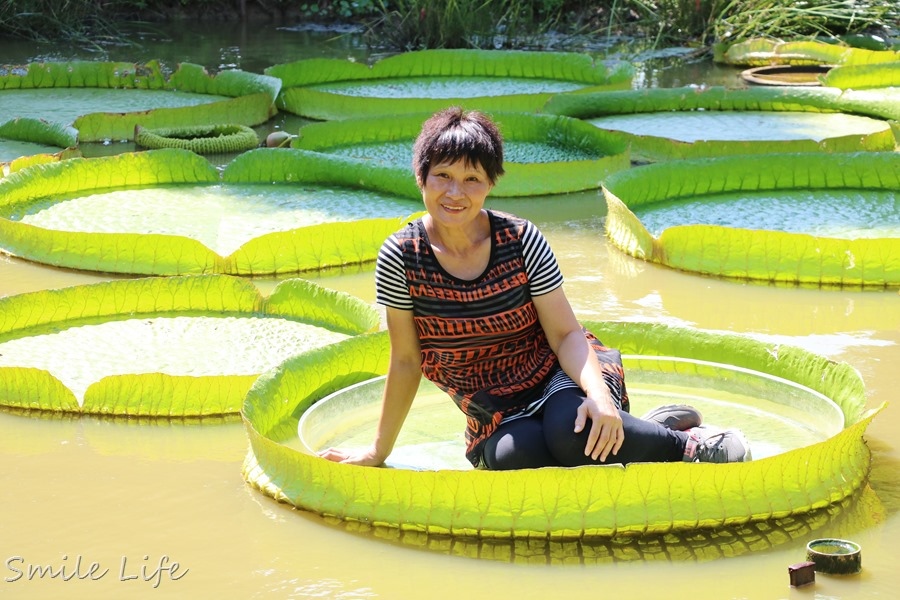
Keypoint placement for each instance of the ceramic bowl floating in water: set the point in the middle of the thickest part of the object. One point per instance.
(543, 154)
(571, 503)
(170, 212)
(818, 219)
(161, 347)
(105, 101)
(775, 414)
(693, 122)
(425, 81)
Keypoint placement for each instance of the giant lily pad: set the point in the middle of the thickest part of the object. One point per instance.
(584, 502)
(105, 101)
(674, 123)
(763, 51)
(168, 212)
(542, 154)
(174, 347)
(805, 249)
(425, 81)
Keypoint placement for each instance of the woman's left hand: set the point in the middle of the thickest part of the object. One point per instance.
(607, 433)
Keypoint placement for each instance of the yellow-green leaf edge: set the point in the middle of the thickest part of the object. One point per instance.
(284, 252)
(251, 95)
(158, 394)
(874, 103)
(761, 255)
(521, 179)
(557, 503)
(297, 98)
(765, 51)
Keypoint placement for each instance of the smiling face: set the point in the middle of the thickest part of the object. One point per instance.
(454, 192)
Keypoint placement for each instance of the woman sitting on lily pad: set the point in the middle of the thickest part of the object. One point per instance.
(474, 301)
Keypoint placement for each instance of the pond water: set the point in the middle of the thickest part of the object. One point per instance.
(136, 497)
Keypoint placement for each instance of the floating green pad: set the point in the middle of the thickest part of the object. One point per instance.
(580, 503)
(259, 229)
(838, 213)
(774, 414)
(202, 139)
(768, 112)
(179, 347)
(140, 95)
(766, 255)
(543, 154)
(761, 52)
(428, 80)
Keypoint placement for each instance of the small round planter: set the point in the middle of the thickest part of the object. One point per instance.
(786, 75)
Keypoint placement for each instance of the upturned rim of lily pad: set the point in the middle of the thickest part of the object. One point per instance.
(159, 395)
(580, 503)
(754, 254)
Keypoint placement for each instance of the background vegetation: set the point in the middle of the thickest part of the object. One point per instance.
(418, 24)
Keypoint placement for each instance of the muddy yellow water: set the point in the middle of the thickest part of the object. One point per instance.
(118, 509)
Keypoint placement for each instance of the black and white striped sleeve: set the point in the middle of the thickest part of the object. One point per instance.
(391, 288)
(543, 271)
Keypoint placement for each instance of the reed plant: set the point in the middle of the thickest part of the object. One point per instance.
(420, 24)
(790, 19)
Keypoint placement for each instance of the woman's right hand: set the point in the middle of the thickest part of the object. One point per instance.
(366, 457)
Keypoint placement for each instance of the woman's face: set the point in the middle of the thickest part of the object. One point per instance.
(454, 192)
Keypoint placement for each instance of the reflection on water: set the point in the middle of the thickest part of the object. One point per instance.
(135, 492)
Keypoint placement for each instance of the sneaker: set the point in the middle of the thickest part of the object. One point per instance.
(678, 417)
(709, 445)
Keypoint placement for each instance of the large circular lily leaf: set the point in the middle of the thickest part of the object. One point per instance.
(586, 502)
(105, 101)
(676, 123)
(169, 212)
(543, 154)
(820, 219)
(425, 81)
(161, 347)
(765, 51)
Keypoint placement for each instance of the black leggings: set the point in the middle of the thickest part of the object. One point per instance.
(547, 439)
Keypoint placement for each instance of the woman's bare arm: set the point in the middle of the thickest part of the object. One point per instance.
(400, 388)
(566, 338)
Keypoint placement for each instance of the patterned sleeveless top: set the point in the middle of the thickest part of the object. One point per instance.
(480, 339)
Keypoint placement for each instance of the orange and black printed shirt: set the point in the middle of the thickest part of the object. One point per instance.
(481, 340)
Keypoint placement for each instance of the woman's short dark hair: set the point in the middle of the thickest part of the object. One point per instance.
(453, 134)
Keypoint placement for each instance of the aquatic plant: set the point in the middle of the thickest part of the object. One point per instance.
(238, 97)
(544, 154)
(579, 503)
(289, 248)
(667, 102)
(312, 87)
(757, 254)
(218, 310)
(203, 139)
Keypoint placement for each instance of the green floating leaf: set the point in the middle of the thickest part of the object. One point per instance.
(202, 139)
(251, 96)
(283, 251)
(757, 254)
(577, 503)
(594, 153)
(325, 103)
(705, 102)
(881, 75)
(80, 312)
(761, 52)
